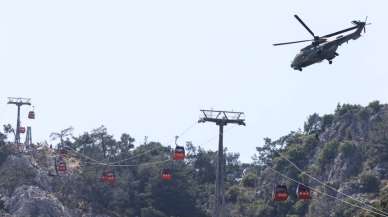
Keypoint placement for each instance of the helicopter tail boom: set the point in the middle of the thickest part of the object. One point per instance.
(359, 26)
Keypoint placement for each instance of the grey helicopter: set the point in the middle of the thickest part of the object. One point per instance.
(324, 47)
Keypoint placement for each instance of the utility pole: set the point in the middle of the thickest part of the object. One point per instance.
(145, 140)
(221, 118)
(18, 102)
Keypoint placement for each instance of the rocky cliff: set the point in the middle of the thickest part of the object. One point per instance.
(345, 155)
(347, 151)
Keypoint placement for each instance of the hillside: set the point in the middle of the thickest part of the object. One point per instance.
(346, 151)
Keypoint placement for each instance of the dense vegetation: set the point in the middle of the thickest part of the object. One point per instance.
(347, 150)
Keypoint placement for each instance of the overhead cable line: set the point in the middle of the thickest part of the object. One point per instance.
(186, 130)
(326, 185)
(131, 165)
(380, 213)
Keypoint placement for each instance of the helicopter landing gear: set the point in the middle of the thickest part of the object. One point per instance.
(330, 61)
(300, 69)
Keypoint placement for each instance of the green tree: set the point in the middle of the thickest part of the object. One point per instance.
(327, 121)
(249, 180)
(100, 135)
(369, 182)
(3, 138)
(8, 129)
(62, 135)
(126, 143)
(313, 124)
(266, 152)
(204, 166)
(176, 198)
(375, 106)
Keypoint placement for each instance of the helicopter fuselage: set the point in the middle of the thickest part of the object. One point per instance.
(314, 54)
(323, 51)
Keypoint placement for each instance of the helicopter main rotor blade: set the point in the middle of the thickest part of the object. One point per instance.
(305, 26)
(339, 32)
(293, 42)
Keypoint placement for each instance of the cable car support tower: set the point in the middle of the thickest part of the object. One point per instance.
(18, 102)
(221, 118)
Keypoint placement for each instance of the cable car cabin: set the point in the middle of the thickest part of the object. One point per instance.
(22, 129)
(62, 151)
(61, 166)
(303, 192)
(108, 177)
(166, 174)
(31, 115)
(179, 153)
(280, 193)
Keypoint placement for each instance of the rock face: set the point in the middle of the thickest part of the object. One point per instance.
(30, 188)
(25, 189)
(344, 167)
(347, 151)
(32, 201)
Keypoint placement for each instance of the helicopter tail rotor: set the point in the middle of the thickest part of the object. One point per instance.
(361, 23)
(365, 23)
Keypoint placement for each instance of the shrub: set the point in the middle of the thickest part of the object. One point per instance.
(300, 207)
(375, 106)
(151, 212)
(249, 180)
(3, 139)
(328, 153)
(327, 120)
(384, 199)
(347, 148)
(4, 152)
(363, 114)
(313, 124)
(370, 183)
(345, 108)
(232, 194)
(309, 142)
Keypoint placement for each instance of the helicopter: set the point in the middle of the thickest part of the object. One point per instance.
(324, 47)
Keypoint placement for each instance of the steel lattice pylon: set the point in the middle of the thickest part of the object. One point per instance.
(221, 118)
(18, 101)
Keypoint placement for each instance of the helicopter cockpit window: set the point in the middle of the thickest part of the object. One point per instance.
(300, 55)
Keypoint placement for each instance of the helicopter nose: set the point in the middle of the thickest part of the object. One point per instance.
(294, 65)
(296, 62)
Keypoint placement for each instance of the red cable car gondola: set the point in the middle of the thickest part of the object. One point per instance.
(280, 193)
(179, 153)
(22, 129)
(108, 177)
(303, 192)
(61, 166)
(166, 174)
(31, 115)
(62, 151)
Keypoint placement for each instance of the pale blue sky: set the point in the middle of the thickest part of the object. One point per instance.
(147, 67)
